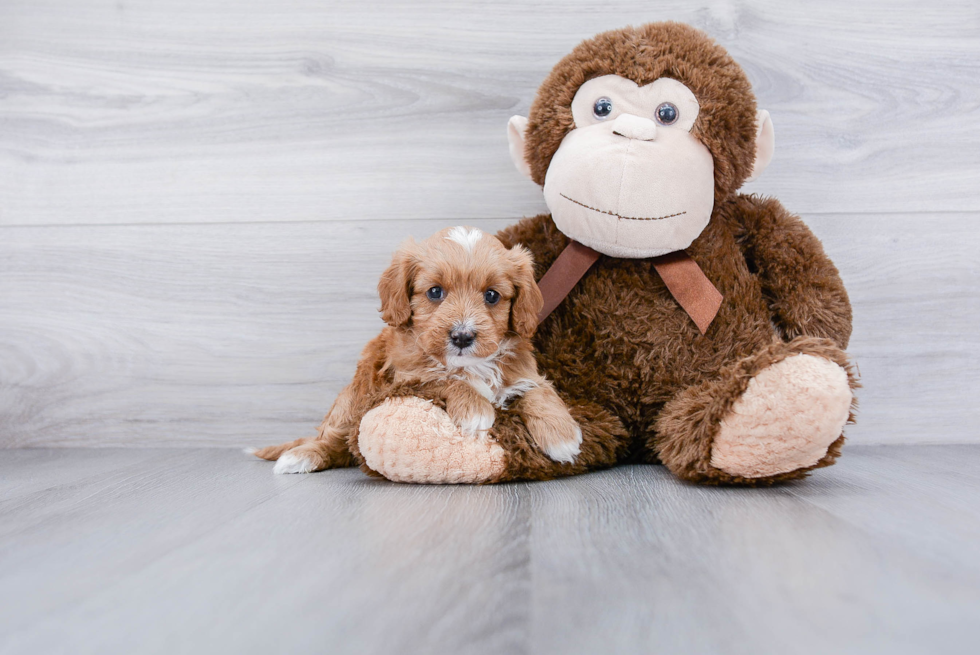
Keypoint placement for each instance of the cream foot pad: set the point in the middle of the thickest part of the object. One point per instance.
(409, 440)
(788, 416)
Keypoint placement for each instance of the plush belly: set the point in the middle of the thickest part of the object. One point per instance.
(621, 340)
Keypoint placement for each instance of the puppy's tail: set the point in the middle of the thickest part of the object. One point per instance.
(272, 453)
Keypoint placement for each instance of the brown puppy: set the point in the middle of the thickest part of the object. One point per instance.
(461, 309)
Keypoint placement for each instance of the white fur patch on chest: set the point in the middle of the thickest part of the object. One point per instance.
(485, 377)
(501, 396)
(505, 395)
(465, 237)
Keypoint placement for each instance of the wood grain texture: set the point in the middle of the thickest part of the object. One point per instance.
(196, 198)
(272, 110)
(204, 550)
(185, 334)
(216, 335)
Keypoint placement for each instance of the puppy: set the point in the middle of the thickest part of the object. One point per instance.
(461, 309)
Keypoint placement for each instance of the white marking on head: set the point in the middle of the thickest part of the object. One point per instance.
(465, 237)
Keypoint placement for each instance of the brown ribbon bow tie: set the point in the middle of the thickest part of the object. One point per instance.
(684, 279)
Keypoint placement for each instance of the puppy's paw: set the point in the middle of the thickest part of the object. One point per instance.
(472, 413)
(478, 423)
(292, 463)
(566, 451)
(558, 436)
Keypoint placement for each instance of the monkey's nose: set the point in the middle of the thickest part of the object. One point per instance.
(462, 338)
(635, 127)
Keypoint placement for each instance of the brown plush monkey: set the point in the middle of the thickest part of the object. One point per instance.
(708, 334)
(641, 138)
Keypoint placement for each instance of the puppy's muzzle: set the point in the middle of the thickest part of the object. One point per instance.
(461, 338)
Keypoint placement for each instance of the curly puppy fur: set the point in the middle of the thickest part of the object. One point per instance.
(461, 309)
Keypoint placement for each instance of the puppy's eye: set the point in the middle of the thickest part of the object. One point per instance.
(491, 296)
(602, 108)
(435, 293)
(667, 113)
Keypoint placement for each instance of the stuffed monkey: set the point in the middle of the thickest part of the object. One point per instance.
(685, 324)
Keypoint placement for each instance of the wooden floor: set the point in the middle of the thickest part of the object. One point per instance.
(204, 550)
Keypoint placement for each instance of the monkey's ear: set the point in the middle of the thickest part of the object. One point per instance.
(765, 144)
(527, 300)
(516, 127)
(395, 286)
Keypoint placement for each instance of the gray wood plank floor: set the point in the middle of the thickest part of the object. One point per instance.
(204, 550)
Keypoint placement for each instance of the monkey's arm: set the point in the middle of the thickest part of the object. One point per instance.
(801, 284)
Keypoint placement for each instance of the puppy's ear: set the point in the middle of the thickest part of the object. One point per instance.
(395, 286)
(527, 300)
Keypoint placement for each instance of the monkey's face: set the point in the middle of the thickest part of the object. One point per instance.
(631, 180)
(633, 159)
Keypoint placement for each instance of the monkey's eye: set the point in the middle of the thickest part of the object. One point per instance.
(435, 293)
(491, 296)
(667, 113)
(602, 108)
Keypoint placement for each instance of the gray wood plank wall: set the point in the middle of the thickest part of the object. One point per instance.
(196, 198)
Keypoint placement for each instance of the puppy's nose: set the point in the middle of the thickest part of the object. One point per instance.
(462, 338)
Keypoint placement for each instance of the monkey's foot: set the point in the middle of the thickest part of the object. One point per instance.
(772, 416)
(407, 439)
(786, 420)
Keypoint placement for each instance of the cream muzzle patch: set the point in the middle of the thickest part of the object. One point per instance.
(631, 180)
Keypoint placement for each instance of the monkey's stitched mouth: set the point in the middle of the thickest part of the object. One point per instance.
(629, 218)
